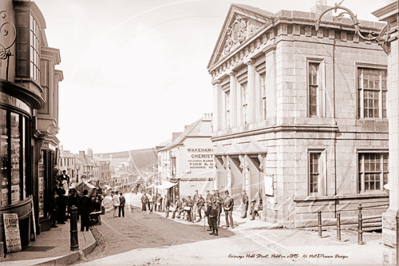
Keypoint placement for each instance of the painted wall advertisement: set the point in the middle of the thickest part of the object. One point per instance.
(200, 158)
(11, 229)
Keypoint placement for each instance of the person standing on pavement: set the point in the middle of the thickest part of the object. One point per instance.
(245, 202)
(85, 210)
(159, 202)
(213, 216)
(53, 209)
(122, 202)
(178, 209)
(61, 205)
(115, 203)
(167, 206)
(216, 198)
(144, 200)
(228, 204)
(209, 200)
(190, 205)
(201, 206)
(73, 201)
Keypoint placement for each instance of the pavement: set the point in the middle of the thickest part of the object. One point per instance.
(298, 246)
(52, 248)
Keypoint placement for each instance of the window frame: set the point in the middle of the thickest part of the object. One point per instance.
(360, 180)
(321, 87)
(360, 101)
(227, 105)
(322, 177)
(244, 102)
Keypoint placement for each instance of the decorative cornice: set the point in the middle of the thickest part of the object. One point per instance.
(273, 129)
(269, 48)
(249, 62)
(32, 99)
(216, 82)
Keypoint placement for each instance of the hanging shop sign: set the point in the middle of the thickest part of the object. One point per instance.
(11, 229)
(200, 158)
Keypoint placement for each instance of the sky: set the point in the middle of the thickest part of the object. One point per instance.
(136, 70)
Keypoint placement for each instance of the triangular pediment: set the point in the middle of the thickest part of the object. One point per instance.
(241, 23)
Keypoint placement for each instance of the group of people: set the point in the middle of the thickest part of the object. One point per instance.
(64, 199)
(212, 206)
(118, 203)
(151, 202)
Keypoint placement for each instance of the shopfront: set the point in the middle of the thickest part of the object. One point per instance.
(15, 163)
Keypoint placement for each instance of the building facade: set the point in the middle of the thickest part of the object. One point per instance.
(67, 162)
(187, 160)
(300, 117)
(28, 117)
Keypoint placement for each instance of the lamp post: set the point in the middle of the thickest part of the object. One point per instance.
(387, 38)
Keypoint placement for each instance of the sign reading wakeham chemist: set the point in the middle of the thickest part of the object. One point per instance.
(200, 158)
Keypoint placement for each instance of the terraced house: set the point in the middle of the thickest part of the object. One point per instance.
(300, 117)
(29, 91)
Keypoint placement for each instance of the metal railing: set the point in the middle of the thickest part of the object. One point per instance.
(360, 221)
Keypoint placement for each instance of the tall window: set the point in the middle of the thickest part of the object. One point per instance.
(228, 109)
(34, 49)
(244, 103)
(372, 93)
(314, 172)
(313, 88)
(263, 87)
(373, 171)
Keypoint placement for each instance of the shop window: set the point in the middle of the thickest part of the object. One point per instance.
(4, 157)
(373, 172)
(372, 93)
(13, 151)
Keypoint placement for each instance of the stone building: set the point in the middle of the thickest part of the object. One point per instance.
(300, 117)
(29, 85)
(187, 160)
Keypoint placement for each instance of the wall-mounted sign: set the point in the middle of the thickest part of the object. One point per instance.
(11, 229)
(200, 158)
(269, 185)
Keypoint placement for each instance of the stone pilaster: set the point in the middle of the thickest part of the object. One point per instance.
(233, 100)
(251, 92)
(217, 112)
(270, 81)
(390, 15)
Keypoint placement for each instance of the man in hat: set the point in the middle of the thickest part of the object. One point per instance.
(213, 217)
(228, 204)
(178, 209)
(245, 202)
(85, 210)
(216, 198)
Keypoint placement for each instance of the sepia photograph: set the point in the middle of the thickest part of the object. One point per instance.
(199, 132)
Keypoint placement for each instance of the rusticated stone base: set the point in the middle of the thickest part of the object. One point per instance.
(389, 237)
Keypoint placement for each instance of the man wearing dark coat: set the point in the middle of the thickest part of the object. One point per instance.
(86, 207)
(213, 216)
(73, 201)
(245, 202)
(228, 204)
(144, 202)
(216, 198)
(122, 202)
(61, 205)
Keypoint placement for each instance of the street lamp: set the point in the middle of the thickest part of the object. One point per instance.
(382, 37)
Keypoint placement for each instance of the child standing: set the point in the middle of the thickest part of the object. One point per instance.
(213, 216)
